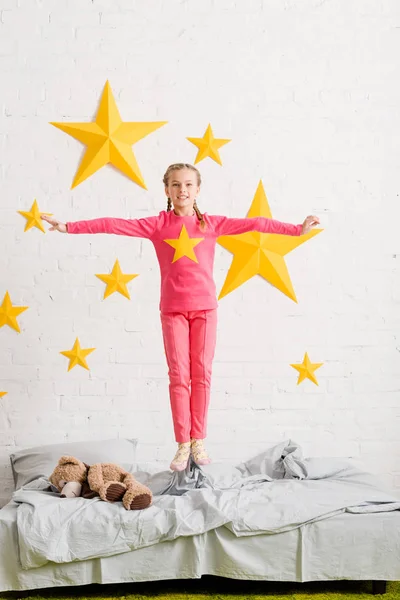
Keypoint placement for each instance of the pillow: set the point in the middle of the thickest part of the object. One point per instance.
(32, 463)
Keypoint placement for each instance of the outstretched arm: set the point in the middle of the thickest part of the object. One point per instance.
(227, 226)
(143, 228)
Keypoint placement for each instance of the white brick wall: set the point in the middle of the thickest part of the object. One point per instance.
(309, 93)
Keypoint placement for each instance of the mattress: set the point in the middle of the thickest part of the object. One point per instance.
(344, 546)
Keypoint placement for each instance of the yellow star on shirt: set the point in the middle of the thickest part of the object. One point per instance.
(77, 355)
(109, 140)
(306, 370)
(208, 145)
(9, 313)
(116, 281)
(261, 253)
(184, 245)
(2, 394)
(33, 217)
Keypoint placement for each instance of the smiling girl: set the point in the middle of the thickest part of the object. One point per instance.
(184, 240)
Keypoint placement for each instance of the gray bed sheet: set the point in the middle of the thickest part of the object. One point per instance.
(344, 546)
(267, 495)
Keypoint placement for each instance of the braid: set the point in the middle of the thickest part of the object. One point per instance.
(199, 216)
(169, 205)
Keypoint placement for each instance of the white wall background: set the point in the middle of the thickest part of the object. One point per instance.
(309, 92)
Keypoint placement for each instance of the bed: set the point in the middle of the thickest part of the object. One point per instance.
(275, 517)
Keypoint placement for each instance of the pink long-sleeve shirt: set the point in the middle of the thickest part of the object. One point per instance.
(186, 268)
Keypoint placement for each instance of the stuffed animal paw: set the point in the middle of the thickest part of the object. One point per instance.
(113, 484)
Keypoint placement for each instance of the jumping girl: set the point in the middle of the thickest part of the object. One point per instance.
(184, 240)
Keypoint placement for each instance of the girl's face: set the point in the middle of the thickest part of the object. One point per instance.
(182, 188)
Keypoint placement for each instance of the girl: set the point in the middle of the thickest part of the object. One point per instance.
(184, 240)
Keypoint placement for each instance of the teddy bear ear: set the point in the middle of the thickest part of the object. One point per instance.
(87, 466)
(68, 460)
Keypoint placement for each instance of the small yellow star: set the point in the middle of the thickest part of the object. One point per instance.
(77, 355)
(33, 217)
(184, 245)
(109, 140)
(9, 313)
(208, 145)
(261, 254)
(116, 281)
(306, 370)
(2, 394)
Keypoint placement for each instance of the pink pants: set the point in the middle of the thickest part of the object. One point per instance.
(189, 342)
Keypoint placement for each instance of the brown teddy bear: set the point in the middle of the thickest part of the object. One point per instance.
(112, 483)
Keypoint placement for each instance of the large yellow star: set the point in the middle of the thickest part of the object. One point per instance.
(306, 370)
(9, 313)
(77, 355)
(33, 217)
(116, 281)
(208, 145)
(109, 140)
(261, 253)
(2, 394)
(184, 245)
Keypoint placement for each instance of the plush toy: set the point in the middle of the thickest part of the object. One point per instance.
(113, 483)
(69, 477)
(73, 478)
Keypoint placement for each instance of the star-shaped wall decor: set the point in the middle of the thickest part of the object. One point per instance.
(184, 245)
(2, 394)
(306, 370)
(109, 140)
(261, 253)
(208, 145)
(9, 313)
(33, 217)
(116, 281)
(77, 356)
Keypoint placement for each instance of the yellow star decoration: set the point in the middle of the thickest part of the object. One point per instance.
(9, 313)
(208, 145)
(261, 253)
(77, 355)
(33, 217)
(2, 394)
(109, 140)
(116, 281)
(306, 370)
(184, 245)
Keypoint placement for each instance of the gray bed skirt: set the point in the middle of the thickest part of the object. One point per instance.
(345, 546)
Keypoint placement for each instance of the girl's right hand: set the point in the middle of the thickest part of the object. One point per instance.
(55, 225)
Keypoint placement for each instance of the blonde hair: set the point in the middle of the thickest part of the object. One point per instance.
(179, 167)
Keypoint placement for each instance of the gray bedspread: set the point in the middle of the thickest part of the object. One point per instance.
(273, 492)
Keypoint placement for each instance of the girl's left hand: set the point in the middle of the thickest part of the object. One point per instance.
(309, 222)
